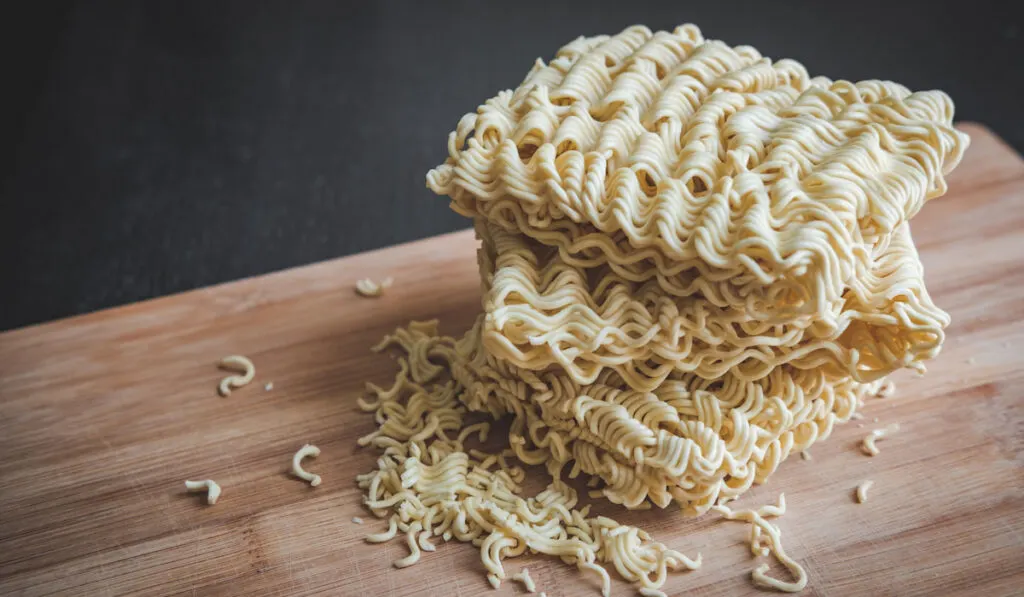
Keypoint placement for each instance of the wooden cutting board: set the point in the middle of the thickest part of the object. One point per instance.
(103, 416)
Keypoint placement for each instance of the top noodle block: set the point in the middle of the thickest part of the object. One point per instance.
(708, 169)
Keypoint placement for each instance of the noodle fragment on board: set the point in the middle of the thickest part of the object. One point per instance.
(525, 578)
(765, 539)
(888, 390)
(236, 362)
(370, 289)
(868, 445)
(305, 451)
(695, 262)
(209, 486)
(862, 491)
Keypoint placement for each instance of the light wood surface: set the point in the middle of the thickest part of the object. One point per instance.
(102, 417)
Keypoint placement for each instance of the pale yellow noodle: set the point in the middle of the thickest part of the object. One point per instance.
(370, 289)
(766, 538)
(210, 486)
(525, 578)
(868, 444)
(236, 362)
(862, 491)
(887, 390)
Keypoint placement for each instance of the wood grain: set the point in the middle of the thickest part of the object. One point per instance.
(103, 416)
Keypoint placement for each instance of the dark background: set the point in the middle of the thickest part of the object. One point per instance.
(153, 147)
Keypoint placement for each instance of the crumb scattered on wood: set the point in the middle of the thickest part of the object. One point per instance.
(862, 491)
(269, 386)
(209, 486)
(370, 289)
(357, 520)
(887, 390)
(806, 454)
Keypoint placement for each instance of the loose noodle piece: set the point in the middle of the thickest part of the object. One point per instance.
(414, 548)
(862, 491)
(646, 592)
(236, 362)
(868, 444)
(606, 581)
(297, 470)
(524, 577)
(888, 390)
(387, 535)
(209, 486)
(763, 532)
(370, 289)
(767, 511)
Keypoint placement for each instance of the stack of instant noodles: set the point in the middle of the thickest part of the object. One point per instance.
(695, 261)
